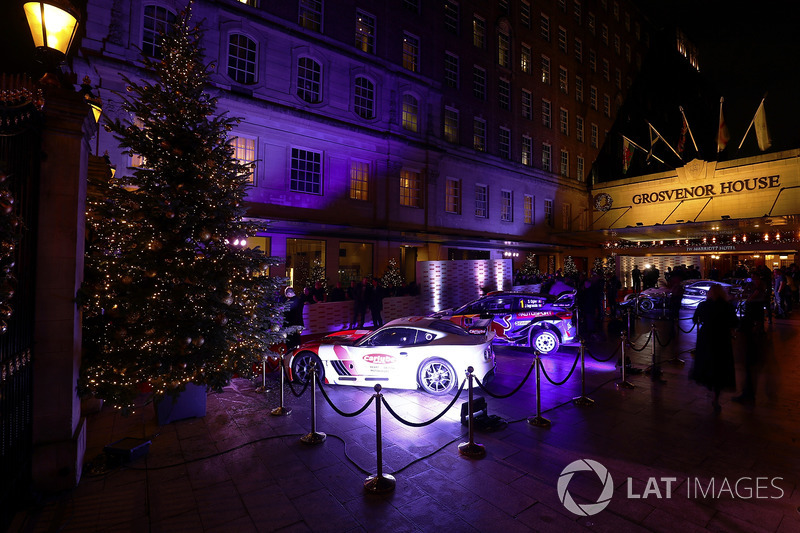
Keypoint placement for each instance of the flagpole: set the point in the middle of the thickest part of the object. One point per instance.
(665, 141)
(688, 127)
(719, 128)
(642, 149)
(751, 123)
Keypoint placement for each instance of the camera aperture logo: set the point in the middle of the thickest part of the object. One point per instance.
(586, 509)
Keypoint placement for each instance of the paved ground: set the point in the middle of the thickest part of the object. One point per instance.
(674, 464)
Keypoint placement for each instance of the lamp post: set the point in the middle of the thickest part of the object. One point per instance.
(53, 25)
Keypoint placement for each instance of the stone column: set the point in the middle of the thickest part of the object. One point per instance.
(59, 430)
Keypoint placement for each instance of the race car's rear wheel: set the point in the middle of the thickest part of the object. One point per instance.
(301, 367)
(544, 340)
(646, 305)
(437, 376)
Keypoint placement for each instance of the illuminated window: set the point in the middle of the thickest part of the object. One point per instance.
(410, 189)
(365, 32)
(506, 206)
(157, 21)
(504, 94)
(527, 151)
(410, 52)
(546, 70)
(451, 16)
(547, 157)
(306, 172)
(451, 124)
(244, 150)
(310, 15)
(479, 134)
(528, 209)
(451, 70)
(453, 196)
(504, 143)
(410, 113)
(359, 180)
(503, 50)
(479, 32)
(309, 80)
(364, 102)
(482, 201)
(241, 58)
(525, 59)
(137, 160)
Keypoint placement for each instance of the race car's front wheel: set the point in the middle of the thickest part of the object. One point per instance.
(301, 367)
(544, 340)
(646, 305)
(437, 376)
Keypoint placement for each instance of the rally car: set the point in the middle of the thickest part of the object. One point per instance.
(540, 321)
(405, 353)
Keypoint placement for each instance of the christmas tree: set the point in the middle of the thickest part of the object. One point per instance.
(529, 269)
(171, 295)
(570, 270)
(317, 274)
(392, 278)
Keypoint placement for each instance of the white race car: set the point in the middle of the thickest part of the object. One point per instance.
(405, 353)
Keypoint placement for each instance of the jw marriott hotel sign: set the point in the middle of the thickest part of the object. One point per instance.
(708, 190)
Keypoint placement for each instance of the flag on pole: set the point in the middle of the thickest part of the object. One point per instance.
(682, 138)
(760, 124)
(627, 154)
(653, 140)
(723, 136)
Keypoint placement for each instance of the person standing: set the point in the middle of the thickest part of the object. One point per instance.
(376, 303)
(361, 303)
(713, 362)
(636, 276)
(752, 328)
(293, 317)
(612, 292)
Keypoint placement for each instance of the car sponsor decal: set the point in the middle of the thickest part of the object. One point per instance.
(379, 359)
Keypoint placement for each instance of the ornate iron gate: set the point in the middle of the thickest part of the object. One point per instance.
(20, 141)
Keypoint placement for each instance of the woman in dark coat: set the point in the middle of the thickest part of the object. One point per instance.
(713, 363)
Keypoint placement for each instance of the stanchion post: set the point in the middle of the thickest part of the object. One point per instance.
(281, 410)
(315, 437)
(263, 386)
(624, 384)
(379, 482)
(583, 400)
(471, 449)
(655, 366)
(538, 420)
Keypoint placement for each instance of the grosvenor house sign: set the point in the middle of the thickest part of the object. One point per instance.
(708, 190)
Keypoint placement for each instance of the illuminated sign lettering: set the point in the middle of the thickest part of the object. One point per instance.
(707, 191)
(379, 359)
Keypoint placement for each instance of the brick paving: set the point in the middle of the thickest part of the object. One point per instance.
(239, 469)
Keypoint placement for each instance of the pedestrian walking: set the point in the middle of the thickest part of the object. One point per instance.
(636, 276)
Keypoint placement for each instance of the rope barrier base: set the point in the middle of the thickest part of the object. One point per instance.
(625, 385)
(539, 421)
(380, 483)
(315, 437)
(582, 401)
(261, 389)
(472, 450)
(281, 411)
(676, 361)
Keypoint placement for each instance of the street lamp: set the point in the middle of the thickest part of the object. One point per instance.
(53, 25)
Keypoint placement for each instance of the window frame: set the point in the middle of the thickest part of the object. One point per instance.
(317, 184)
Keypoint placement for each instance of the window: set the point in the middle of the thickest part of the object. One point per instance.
(577, 12)
(451, 124)
(479, 134)
(525, 59)
(563, 80)
(527, 104)
(525, 13)
(563, 121)
(482, 201)
(615, 10)
(606, 70)
(604, 33)
(410, 113)
(628, 53)
(309, 80)
(546, 70)
(506, 206)
(504, 143)
(606, 105)
(479, 32)
(410, 189)
(241, 58)
(451, 70)
(527, 206)
(157, 21)
(562, 5)
(592, 60)
(627, 21)
(548, 212)
(547, 157)
(564, 168)
(365, 32)
(452, 196)
(637, 30)
(410, 52)
(566, 215)
(411, 5)
(359, 180)
(479, 83)
(592, 24)
(244, 150)
(578, 88)
(562, 39)
(579, 129)
(593, 97)
(527, 151)
(306, 171)
(502, 7)
(578, 50)
(451, 17)
(544, 26)
(503, 50)
(580, 170)
(311, 15)
(504, 94)
(364, 98)
(595, 136)
(617, 44)
(618, 78)
(546, 118)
